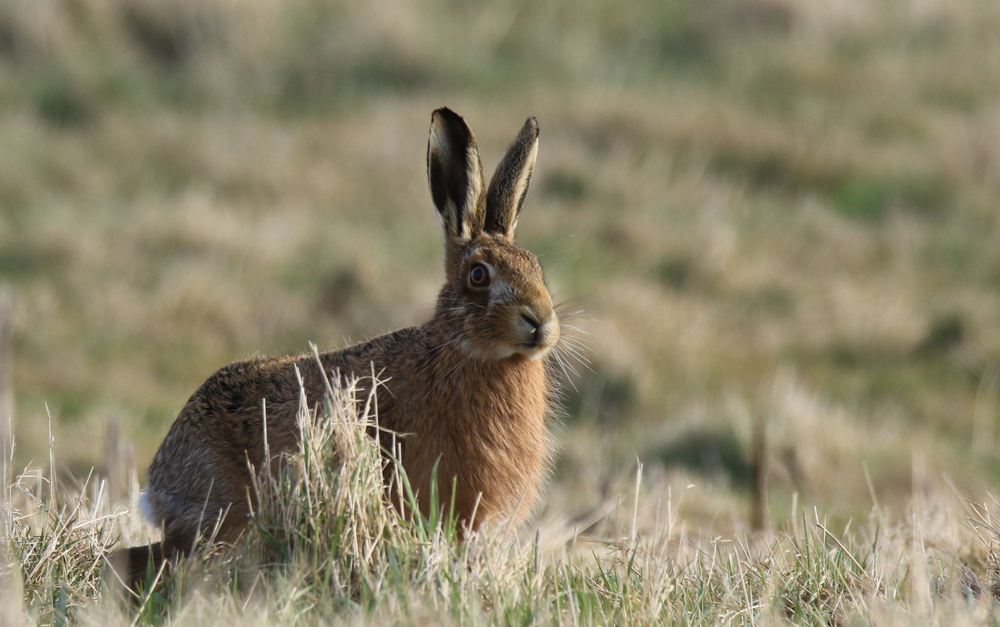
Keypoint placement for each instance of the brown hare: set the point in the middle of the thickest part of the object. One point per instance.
(468, 391)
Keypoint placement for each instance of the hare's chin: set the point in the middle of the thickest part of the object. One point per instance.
(532, 351)
(498, 351)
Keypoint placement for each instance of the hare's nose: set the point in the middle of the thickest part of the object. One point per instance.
(534, 324)
(543, 331)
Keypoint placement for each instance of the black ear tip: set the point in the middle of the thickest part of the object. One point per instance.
(451, 125)
(447, 115)
(530, 127)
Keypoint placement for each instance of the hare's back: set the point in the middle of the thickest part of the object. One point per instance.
(201, 465)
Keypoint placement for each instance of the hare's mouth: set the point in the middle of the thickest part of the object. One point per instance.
(538, 337)
(533, 350)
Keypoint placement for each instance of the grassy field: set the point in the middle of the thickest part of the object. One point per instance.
(325, 548)
(777, 216)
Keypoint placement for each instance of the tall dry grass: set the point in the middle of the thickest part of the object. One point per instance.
(325, 547)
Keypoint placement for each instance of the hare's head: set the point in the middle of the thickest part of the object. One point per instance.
(494, 301)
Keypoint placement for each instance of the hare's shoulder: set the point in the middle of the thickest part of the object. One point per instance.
(385, 353)
(242, 385)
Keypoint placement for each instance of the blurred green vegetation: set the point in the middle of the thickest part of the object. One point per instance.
(734, 191)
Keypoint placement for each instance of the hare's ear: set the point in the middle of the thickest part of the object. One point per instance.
(510, 182)
(455, 176)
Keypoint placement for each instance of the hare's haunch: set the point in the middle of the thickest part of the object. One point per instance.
(470, 388)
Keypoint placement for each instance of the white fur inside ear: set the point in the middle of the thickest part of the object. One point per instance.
(438, 146)
(466, 233)
(441, 151)
(521, 187)
(475, 188)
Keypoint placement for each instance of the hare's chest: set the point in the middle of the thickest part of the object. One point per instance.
(496, 459)
(482, 436)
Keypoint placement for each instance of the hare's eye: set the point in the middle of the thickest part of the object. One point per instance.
(479, 276)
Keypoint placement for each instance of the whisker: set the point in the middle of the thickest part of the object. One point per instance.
(569, 351)
(568, 378)
(578, 341)
(569, 364)
(576, 355)
(573, 327)
(564, 363)
(570, 301)
(575, 344)
(573, 312)
(581, 361)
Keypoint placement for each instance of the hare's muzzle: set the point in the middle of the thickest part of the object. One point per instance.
(538, 332)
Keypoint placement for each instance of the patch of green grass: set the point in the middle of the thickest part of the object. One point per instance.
(44, 261)
(164, 36)
(675, 272)
(930, 385)
(709, 453)
(769, 301)
(869, 199)
(59, 101)
(862, 199)
(681, 41)
(600, 396)
(566, 186)
(774, 168)
(775, 90)
(19, 263)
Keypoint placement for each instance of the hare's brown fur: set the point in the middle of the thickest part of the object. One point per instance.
(468, 391)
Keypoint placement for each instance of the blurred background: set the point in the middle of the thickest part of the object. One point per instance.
(779, 217)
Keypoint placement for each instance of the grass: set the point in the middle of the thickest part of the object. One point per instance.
(772, 213)
(325, 547)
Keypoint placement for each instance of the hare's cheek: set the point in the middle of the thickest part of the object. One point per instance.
(501, 294)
